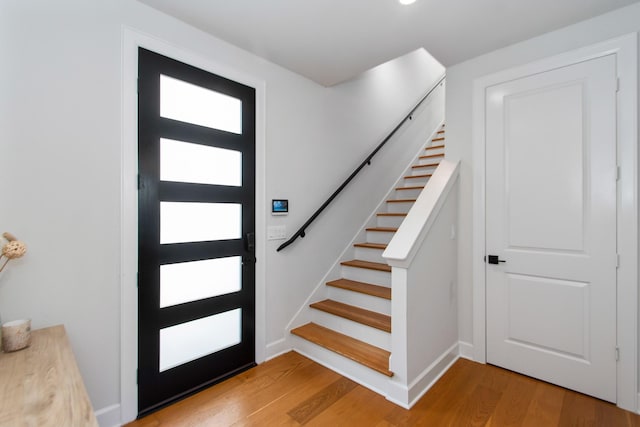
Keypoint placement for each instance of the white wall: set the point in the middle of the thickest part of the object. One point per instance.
(432, 311)
(60, 165)
(459, 118)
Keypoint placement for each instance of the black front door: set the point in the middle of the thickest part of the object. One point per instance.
(196, 265)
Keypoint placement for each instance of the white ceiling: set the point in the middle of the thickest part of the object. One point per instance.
(330, 41)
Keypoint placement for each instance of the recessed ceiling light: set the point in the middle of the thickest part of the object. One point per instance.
(406, 1)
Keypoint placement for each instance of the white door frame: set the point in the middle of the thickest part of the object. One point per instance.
(626, 50)
(131, 40)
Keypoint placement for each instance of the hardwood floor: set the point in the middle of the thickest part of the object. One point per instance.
(292, 390)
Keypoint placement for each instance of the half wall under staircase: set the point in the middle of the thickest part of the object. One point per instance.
(363, 324)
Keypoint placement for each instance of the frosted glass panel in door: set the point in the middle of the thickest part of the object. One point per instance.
(189, 103)
(191, 281)
(182, 222)
(189, 341)
(200, 164)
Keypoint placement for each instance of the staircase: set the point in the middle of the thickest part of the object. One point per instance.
(354, 322)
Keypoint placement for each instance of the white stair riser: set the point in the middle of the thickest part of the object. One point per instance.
(366, 275)
(412, 182)
(430, 160)
(379, 236)
(390, 221)
(353, 329)
(400, 207)
(369, 254)
(368, 302)
(408, 194)
(422, 171)
(345, 366)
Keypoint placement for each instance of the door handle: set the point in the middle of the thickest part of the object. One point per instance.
(250, 242)
(493, 259)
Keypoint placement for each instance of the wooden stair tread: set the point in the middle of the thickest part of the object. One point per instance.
(440, 131)
(361, 287)
(401, 201)
(430, 165)
(368, 245)
(427, 175)
(358, 263)
(391, 214)
(434, 147)
(417, 187)
(382, 229)
(366, 354)
(430, 156)
(441, 138)
(357, 314)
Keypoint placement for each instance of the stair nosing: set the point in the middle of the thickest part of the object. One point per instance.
(429, 156)
(434, 147)
(416, 187)
(402, 200)
(391, 214)
(356, 314)
(430, 165)
(382, 229)
(369, 245)
(368, 265)
(348, 350)
(361, 288)
(428, 175)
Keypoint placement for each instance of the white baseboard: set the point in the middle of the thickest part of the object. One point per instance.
(466, 350)
(109, 416)
(277, 348)
(407, 396)
(432, 374)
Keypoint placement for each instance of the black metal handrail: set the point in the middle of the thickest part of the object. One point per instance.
(301, 231)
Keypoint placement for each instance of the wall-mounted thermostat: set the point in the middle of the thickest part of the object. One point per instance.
(279, 207)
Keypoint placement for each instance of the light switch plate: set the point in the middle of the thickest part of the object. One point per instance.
(277, 232)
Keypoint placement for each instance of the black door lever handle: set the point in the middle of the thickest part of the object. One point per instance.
(493, 259)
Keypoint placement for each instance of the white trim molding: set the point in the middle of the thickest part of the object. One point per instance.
(625, 50)
(131, 41)
(109, 416)
(408, 395)
(466, 350)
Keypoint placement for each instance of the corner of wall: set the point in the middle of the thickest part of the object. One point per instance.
(466, 350)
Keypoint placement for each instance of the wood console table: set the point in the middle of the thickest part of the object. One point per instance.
(41, 385)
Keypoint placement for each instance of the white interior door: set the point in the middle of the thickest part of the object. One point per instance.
(551, 216)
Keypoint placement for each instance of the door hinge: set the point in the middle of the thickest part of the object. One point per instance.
(139, 182)
(137, 280)
(617, 84)
(137, 376)
(138, 85)
(617, 173)
(617, 260)
(617, 354)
